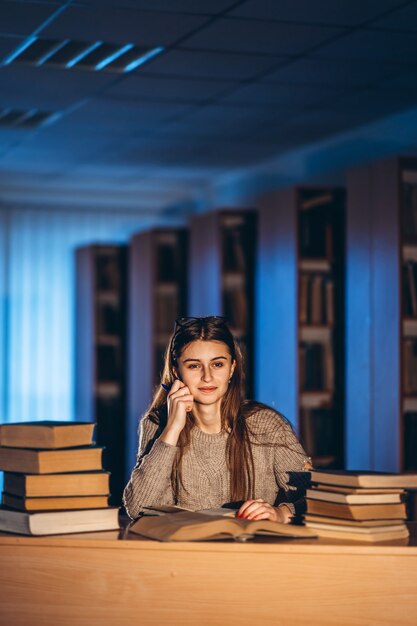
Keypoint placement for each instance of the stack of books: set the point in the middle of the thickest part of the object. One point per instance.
(359, 506)
(53, 480)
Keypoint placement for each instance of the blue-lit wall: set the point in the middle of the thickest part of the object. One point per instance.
(38, 304)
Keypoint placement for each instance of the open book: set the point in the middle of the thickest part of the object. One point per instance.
(192, 526)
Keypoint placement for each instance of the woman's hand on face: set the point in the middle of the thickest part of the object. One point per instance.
(259, 509)
(180, 402)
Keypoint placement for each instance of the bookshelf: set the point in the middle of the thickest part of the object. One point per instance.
(222, 273)
(382, 316)
(321, 216)
(100, 352)
(157, 296)
(300, 315)
(408, 329)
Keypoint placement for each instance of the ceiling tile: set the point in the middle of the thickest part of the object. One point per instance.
(178, 6)
(223, 120)
(402, 81)
(287, 96)
(215, 65)
(111, 117)
(343, 13)
(373, 45)
(22, 18)
(311, 71)
(122, 25)
(402, 19)
(167, 89)
(236, 35)
(37, 87)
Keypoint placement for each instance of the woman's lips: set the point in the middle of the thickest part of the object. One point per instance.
(207, 389)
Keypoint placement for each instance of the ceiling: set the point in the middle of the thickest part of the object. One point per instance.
(232, 85)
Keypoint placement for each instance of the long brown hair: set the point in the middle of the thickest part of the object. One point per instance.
(234, 410)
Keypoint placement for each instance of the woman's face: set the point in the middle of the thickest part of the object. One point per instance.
(206, 367)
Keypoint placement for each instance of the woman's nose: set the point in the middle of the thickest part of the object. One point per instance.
(206, 374)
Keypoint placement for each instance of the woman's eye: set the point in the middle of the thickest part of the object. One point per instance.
(218, 364)
(193, 366)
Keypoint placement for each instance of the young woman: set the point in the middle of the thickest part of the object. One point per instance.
(201, 445)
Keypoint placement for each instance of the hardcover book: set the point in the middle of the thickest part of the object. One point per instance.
(58, 522)
(192, 526)
(348, 478)
(50, 461)
(47, 434)
(47, 485)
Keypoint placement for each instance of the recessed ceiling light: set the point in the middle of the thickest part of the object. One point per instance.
(29, 118)
(91, 56)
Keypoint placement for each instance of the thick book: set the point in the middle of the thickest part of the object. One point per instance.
(162, 509)
(47, 434)
(357, 490)
(192, 526)
(364, 479)
(55, 504)
(50, 461)
(308, 517)
(357, 511)
(352, 533)
(353, 498)
(58, 522)
(49, 485)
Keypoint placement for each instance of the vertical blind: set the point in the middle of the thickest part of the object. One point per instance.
(37, 305)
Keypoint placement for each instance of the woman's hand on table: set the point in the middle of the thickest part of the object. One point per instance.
(259, 509)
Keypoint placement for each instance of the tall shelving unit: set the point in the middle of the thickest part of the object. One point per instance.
(408, 281)
(381, 328)
(100, 352)
(300, 315)
(157, 296)
(222, 273)
(321, 219)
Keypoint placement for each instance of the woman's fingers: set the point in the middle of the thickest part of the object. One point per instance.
(249, 507)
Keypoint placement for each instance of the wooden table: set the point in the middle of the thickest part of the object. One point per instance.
(98, 579)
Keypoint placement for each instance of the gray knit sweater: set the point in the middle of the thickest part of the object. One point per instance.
(280, 463)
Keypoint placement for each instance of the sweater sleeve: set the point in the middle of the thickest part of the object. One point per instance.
(150, 481)
(291, 467)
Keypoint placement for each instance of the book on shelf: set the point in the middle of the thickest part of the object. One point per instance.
(409, 213)
(108, 319)
(166, 310)
(192, 526)
(357, 511)
(303, 298)
(410, 441)
(410, 366)
(319, 431)
(329, 301)
(370, 479)
(235, 307)
(58, 503)
(46, 434)
(107, 270)
(312, 366)
(108, 363)
(58, 522)
(49, 485)
(28, 461)
(353, 498)
(233, 245)
(316, 293)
